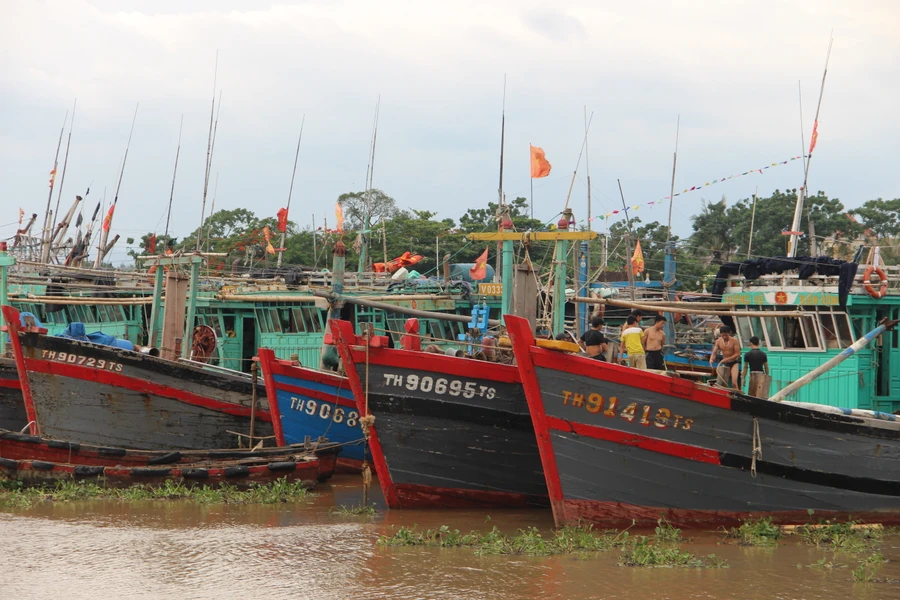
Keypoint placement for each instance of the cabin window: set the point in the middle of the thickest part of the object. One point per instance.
(830, 334)
(844, 329)
(773, 333)
(810, 332)
(745, 331)
(308, 319)
(793, 332)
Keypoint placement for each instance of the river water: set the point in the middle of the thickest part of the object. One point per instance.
(174, 549)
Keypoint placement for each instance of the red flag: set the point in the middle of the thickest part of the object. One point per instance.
(151, 244)
(52, 176)
(479, 271)
(282, 219)
(540, 166)
(108, 220)
(815, 137)
(21, 215)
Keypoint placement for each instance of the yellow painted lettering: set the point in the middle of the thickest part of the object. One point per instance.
(687, 424)
(578, 400)
(645, 415)
(678, 419)
(566, 396)
(611, 407)
(628, 413)
(594, 403)
(662, 417)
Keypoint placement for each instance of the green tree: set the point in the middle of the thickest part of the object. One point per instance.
(880, 217)
(366, 208)
(485, 219)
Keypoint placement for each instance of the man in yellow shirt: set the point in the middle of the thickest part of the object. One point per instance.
(632, 343)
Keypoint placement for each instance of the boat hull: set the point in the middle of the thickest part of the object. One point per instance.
(308, 404)
(448, 432)
(621, 445)
(91, 394)
(12, 408)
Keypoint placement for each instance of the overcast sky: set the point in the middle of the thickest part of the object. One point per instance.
(730, 68)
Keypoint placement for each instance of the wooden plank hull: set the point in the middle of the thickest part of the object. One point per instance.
(621, 445)
(449, 432)
(307, 404)
(103, 396)
(19, 446)
(240, 473)
(12, 408)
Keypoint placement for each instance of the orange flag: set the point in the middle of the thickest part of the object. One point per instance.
(814, 138)
(21, 215)
(637, 261)
(282, 219)
(339, 215)
(479, 271)
(268, 235)
(540, 167)
(107, 221)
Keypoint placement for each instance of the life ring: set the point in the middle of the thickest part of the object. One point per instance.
(882, 290)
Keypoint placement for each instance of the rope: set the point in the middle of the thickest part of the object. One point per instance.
(365, 423)
(757, 448)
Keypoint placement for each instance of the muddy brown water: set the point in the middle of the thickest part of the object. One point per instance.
(174, 549)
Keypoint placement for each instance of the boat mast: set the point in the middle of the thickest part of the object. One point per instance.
(102, 249)
(628, 265)
(209, 146)
(172, 189)
(62, 181)
(45, 232)
(291, 190)
(502, 215)
(798, 209)
(370, 174)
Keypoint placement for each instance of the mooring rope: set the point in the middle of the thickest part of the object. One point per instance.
(757, 447)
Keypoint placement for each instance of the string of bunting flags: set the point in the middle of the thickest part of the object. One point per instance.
(694, 188)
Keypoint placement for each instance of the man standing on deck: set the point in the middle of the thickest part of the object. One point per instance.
(731, 356)
(654, 339)
(632, 342)
(593, 341)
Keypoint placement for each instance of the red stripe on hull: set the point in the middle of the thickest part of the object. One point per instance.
(315, 394)
(614, 514)
(426, 496)
(638, 441)
(267, 363)
(12, 384)
(435, 362)
(141, 386)
(348, 466)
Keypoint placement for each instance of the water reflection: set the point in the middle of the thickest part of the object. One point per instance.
(184, 550)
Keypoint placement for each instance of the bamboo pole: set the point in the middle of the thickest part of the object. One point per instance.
(425, 314)
(689, 308)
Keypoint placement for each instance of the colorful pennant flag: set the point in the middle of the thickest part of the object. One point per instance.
(637, 260)
(107, 221)
(339, 215)
(479, 271)
(540, 166)
(268, 235)
(282, 219)
(52, 177)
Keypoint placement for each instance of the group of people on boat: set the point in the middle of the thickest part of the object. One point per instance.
(644, 349)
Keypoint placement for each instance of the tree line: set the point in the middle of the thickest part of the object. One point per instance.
(721, 233)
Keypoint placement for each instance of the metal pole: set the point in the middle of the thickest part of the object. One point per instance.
(582, 309)
(559, 274)
(187, 341)
(628, 269)
(6, 261)
(157, 304)
(254, 379)
(752, 220)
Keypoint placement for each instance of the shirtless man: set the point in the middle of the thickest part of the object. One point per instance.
(593, 341)
(654, 340)
(731, 355)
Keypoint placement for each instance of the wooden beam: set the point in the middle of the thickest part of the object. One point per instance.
(536, 236)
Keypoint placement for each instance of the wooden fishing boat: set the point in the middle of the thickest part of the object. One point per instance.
(105, 396)
(620, 445)
(308, 403)
(242, 473)
(12, 409)
(22, 446)
(448, 432)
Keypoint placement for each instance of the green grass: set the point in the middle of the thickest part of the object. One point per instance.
(352, 511)
(529, 541)
(865, 572)
(665, 532)
(13, 494)
(759, 532)
(842, 537)
(641, 552)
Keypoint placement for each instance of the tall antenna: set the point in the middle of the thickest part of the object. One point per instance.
(45, 233)
(172, 190)
(672, 187)
(107, 222)
(578, 162)
(209, 142)
(798, 209)
(291, 189)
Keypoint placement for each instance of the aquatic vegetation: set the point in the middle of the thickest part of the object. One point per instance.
(865, 572)
(759, 532)
(352, 511)
(529, 541)
(846, 537)
(666, 532)
(641, 552)
(13, 494)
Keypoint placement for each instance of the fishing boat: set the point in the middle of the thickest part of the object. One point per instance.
(21, 446)
(620, 445)
(309, 403)
(242, 473)
(448, 432)
(106, 396)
